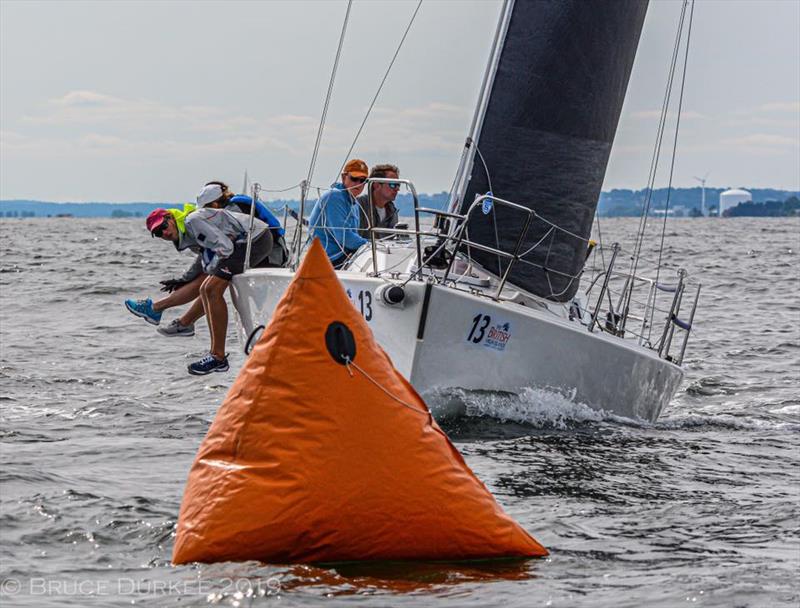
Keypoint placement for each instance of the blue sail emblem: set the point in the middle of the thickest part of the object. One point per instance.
(487, 204)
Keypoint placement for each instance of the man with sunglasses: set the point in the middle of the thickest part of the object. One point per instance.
(335, 217)
(384, 213)
(221, 238)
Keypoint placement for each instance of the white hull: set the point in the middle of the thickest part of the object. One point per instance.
(466, 341)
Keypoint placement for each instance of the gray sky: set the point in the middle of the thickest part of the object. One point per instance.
(130, 101)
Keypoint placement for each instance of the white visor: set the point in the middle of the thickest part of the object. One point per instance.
(209, 194)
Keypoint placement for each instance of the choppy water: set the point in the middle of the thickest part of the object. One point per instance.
(100, 423)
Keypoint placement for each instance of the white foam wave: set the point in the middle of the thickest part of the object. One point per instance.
(534, 406)
(548, 407)
(728, 421)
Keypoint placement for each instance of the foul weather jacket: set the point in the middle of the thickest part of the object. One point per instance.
(214, 233)
(335, 221)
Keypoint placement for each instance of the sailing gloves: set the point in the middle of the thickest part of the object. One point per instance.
(171, 285)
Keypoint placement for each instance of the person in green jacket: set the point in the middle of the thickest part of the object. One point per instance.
(181, 290)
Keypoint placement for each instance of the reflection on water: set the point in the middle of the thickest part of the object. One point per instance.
(407, 577)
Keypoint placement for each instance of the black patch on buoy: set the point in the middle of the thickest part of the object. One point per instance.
(340, 342)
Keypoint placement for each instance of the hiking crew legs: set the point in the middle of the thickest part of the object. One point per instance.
(212, 292)
(195, 312)
(182, 295)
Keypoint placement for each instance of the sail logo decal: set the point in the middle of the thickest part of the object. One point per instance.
(486, 206)
(484, 332)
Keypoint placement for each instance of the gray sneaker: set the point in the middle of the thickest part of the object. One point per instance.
(176, 329)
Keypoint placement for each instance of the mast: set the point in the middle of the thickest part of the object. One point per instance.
(246, 185)
(468, 155)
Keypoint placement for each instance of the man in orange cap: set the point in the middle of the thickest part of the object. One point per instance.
(335, 217)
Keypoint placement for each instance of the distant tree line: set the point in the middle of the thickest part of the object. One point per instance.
(117, 213)
(623, 202)
(789, 207)
(614, 203)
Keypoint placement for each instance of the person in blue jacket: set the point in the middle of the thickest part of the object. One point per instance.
(335, 218)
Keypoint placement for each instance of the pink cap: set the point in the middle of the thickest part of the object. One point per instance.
(156, 218)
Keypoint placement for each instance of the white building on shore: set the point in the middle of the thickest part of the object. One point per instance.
(730, 198)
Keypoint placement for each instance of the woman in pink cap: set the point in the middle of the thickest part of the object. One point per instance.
(220, 237)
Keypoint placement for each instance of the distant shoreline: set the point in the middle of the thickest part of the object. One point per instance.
(683, 202)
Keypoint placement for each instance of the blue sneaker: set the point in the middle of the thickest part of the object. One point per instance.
(209, 364)
(144, 309)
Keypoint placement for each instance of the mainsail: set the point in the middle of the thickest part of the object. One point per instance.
(543, 133)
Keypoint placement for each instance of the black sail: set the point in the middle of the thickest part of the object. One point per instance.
(547, 133)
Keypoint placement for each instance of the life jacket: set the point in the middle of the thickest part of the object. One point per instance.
(280, 253)
(262, 212)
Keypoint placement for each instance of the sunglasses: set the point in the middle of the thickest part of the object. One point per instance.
(358, 180)
(159, 230)
(394, 185)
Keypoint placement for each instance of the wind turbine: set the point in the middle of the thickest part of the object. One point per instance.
(702, 181)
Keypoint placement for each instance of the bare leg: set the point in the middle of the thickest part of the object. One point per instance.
(195, 311)
(182, 295)
(213, 293)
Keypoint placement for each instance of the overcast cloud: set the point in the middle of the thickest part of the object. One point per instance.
(124, 101)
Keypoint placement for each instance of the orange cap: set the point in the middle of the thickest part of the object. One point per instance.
(356, 168)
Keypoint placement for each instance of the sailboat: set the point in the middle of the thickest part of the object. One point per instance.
(485, 296)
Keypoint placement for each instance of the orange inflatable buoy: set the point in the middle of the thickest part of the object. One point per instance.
(323, 452)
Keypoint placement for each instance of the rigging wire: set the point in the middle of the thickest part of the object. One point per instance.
(659, 139)
(654, 161)
(600, 239)
(494, 216)
(298, 236)
(329, 94)
(380, 87)
(674, 150)
(274, 191)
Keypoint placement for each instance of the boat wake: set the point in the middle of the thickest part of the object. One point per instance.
(549, 408)
(726, 421)
(537, 407)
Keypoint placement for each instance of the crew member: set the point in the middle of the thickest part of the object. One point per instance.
(221, 237)
(335, 217)
(181, 290)
(186, 288)
(384, 212)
